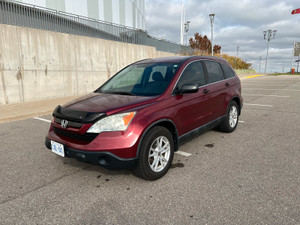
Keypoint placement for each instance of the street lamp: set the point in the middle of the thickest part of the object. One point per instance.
(236, 56)
(186, 29)
(259, 64)
(268, 36)
(212, 17)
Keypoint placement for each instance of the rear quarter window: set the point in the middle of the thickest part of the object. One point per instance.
(228, 71)
(214, 71)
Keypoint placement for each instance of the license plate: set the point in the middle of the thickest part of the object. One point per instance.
(57, 148)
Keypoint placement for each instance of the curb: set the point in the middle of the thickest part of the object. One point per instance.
(26, 116)
(26, 110)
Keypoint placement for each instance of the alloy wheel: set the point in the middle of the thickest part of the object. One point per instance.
(159, 154)
(233, 116)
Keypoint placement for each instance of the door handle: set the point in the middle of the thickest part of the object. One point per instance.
(205, 91)
(227, 84)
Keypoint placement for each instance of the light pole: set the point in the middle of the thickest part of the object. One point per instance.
(268, 37)
(212, 17)
(186, 29)
(293, 55)
(237, 53)
(182, 19)
(259, 63)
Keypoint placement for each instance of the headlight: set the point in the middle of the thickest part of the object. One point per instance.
(118, 122)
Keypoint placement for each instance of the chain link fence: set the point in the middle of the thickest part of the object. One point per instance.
(26, 15)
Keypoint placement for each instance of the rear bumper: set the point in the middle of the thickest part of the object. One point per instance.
(105, 159)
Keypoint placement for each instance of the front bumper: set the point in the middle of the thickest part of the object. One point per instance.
(105, 159)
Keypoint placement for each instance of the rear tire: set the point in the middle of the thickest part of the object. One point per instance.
(155, 154)
(231, 120)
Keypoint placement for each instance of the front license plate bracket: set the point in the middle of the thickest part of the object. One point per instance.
(58, 148)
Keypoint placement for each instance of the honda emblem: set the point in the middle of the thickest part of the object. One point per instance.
(64, 124)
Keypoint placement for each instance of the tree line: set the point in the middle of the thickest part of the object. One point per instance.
(202, 46)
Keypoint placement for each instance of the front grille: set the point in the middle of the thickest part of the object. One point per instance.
(87, 137)
(70, 123)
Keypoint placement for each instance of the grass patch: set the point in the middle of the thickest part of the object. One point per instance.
(277, 74)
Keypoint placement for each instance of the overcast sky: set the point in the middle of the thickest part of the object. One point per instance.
(237, 23)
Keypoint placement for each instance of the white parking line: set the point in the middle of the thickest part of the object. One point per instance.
(241, 121)
(277, 96)
(258, 105)
(42, 119)
(183, 153)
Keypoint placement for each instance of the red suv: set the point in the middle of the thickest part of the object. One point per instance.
(139, 117)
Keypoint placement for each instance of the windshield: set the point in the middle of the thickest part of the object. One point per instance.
(143, 79)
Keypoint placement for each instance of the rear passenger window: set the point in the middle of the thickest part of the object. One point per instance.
(214, 71)
(193, 74)
(228, 71)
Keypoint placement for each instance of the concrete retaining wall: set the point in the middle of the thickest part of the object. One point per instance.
(37, 64)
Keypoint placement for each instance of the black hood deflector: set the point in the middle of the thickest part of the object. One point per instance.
(77, 116)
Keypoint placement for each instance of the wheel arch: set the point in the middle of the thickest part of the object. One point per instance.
(166, 123)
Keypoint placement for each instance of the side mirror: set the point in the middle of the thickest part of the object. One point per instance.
(188, 88)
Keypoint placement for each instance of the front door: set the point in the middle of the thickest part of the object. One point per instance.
(191, 110)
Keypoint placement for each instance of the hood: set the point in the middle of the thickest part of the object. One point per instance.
(107, 103)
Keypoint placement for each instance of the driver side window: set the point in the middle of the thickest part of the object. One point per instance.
(192, 74)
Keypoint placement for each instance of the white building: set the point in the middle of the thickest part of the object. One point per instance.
(125, 12)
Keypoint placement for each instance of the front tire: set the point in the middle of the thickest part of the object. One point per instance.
(156, 154)
(231, 120)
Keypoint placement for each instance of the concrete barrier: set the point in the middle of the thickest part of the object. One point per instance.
(37, 64)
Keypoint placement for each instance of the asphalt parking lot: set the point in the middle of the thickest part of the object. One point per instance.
(251, 176)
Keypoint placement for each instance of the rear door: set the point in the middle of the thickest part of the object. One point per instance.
(216, 89)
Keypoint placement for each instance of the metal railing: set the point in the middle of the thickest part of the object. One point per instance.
(27, 15)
